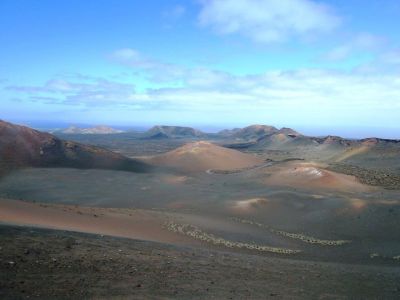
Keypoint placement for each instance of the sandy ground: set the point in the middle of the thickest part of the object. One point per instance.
(129, 223)
(231, 230)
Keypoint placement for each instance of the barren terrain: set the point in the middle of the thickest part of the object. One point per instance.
(281, 215)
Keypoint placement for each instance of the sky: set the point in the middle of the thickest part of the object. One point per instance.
(321, 67)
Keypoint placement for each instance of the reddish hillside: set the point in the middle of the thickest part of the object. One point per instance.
(22, 146)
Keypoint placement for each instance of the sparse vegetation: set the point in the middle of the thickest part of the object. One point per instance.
(369, 176)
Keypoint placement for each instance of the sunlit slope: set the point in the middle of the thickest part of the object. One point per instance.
(202, 156)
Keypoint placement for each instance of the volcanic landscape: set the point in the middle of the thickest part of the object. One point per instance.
(173, 212)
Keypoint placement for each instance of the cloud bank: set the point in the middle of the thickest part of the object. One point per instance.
(307, 94)
(267, 21)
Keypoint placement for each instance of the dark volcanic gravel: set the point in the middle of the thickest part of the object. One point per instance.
(49, 264)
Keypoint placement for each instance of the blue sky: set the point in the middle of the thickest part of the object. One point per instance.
(323, 67)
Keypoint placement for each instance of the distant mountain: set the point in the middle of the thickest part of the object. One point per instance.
(228, 132)
(372, 152)
(162, 132)
(101, 129)
(22, 146)
(252, 132)
(287, 140)
(289, 132)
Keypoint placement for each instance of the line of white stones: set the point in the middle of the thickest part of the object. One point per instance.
(299, 236)
(196, 233)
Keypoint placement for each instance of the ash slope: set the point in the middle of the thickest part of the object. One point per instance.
(202, 156)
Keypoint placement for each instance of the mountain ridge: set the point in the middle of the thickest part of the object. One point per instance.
(166, 131)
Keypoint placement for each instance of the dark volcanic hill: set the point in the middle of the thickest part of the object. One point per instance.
(22, 146)
(161, 132)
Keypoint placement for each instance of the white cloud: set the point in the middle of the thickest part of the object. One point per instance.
(303, 90)
(307, 95)
(391, 57)
(267, 21)
(359, 43)
(298, 92)
(339, 53)
(134, 58)
(156, 70)
(93, 92)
